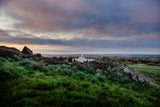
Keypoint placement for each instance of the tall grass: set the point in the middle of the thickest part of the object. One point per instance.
(61, 85)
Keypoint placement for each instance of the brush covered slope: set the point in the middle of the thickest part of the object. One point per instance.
(26, 82)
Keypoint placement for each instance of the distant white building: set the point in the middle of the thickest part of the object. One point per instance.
(82, 58)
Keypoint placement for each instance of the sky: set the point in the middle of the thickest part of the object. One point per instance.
(81, 26)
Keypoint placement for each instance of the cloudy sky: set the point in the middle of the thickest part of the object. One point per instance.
(81, 26)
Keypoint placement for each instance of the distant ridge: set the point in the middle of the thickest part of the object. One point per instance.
(50, 55)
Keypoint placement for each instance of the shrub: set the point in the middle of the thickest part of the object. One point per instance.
(54, 83)
(36, 58)
(100, 77)
(74, 68)
(155, 91)
(91, 71)
(2, 59)
(11, 60)
(40, 66)
(16, 58)
(111, 70)
(65, 72)
(51, 73)
(81, 67)
(5, 74)
(98, 71)
(1, 63)
(66, 82)
(31, 72)
(10, 69)
(70, 59)
(45, 69)
(80, 75)
(27, 63)
(94, 79)
(51, 67)
(118, 76)
(115, 74)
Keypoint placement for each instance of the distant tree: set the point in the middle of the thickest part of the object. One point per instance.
(126, 60)
(70, 59)
(55, 58)
(61, 58)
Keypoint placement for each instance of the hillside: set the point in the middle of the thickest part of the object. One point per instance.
(34, 80)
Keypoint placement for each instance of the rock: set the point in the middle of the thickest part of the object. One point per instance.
(124, 70)
(37, 55)
(27, 51)
(9, 52)
(137, 76)
(93, 65)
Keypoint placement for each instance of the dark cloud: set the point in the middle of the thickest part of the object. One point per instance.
(23, 39)
(149, 41)
(2, 2)
(52, 15)
(138, 21)
(3, 34)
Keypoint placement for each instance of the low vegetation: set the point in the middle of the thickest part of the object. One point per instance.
(149, 71)
(29, 83)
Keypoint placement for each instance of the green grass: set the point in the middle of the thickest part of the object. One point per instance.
(146, 68)
(55, 87)
(150, 71)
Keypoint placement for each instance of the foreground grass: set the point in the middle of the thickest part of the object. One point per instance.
(23, 86)
(149, 71)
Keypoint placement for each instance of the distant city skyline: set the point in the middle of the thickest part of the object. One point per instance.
(81, 26)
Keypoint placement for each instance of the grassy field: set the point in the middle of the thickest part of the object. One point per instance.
(147, 68)
(27, 83)
(150, 71)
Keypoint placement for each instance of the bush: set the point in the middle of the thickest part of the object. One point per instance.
(70, 59)
(2, 59)
(115, 74)
(91, 71)
(27, 63)
(100, 77)
(45, 69)
(11, 60)
(94, 79)
(54, 83)
(98, 71)
(1, 63)
(40, 66)
(6, 74)
(111, 70)
(65, 72)
(80, 75)
(118, 76)
(51, 67)
(81, 67)
(74, 68)
(16, 58)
